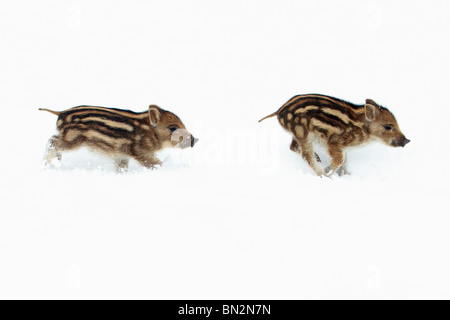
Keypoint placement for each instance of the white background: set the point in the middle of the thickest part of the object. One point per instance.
(240, 215)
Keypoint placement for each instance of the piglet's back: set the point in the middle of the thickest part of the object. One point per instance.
(107, 129)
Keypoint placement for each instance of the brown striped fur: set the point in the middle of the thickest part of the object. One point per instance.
(120, 134)
(338, 124)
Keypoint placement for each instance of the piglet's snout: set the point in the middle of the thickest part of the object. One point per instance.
(405, 142)
(184, 138)
(400, 142)
(193, 141)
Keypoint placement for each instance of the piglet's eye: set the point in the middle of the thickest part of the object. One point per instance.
(173, 128)
(388, 127)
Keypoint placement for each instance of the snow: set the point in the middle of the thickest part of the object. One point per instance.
(239, 215)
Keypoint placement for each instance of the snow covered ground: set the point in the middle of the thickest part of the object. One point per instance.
(239, 215)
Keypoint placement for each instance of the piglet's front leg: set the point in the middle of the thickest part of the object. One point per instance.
(337, 159)
(149, 161)
(343, 169)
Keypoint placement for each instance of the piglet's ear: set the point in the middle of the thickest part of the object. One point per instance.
(154, 114)
(370, 101)
(372, 110)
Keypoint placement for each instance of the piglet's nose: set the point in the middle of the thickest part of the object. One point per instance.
(406, 142)
(193, 141)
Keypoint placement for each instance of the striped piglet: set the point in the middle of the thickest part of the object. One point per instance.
(338, 125)
(119, 134)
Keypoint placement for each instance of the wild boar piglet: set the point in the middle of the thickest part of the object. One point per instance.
(119, 134)
(338, 125)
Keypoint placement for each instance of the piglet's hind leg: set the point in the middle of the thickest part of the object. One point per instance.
(308, 155)
(54, 150)
(121, 165)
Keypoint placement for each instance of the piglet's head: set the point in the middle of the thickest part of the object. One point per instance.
(170, 128)
(383, 126)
